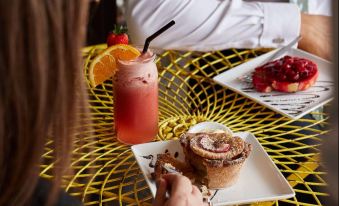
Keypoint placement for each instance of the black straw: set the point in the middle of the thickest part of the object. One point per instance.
(156, 34)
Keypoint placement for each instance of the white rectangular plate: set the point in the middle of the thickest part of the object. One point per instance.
(292, 105)
(259, 180)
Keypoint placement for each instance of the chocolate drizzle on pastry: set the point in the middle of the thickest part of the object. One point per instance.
(150, 157)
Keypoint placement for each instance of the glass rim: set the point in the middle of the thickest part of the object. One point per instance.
(151, 58)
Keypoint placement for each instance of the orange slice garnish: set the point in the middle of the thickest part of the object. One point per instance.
(104, 65)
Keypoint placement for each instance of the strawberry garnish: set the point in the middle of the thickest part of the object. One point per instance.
(117, 36)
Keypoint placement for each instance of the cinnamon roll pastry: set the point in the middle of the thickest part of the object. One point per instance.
(216, 157)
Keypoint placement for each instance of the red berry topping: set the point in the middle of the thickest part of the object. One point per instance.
(288, 74)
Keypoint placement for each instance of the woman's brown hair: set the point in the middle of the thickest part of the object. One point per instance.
(41, 88)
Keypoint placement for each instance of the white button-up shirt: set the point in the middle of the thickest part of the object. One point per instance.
(205, 25)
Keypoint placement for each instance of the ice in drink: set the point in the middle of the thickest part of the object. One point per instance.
(136, 100)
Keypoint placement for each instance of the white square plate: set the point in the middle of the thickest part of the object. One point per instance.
(292, 105)
(259, 180)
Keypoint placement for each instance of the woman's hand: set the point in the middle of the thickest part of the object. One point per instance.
(181, 192)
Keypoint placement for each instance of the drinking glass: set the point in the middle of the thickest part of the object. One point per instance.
(136, 100)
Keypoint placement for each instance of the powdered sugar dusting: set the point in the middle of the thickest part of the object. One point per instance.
(207, 143)
(213, 145)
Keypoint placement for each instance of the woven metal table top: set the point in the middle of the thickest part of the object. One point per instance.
(106, 172)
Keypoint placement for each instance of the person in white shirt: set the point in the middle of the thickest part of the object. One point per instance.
(205, 25)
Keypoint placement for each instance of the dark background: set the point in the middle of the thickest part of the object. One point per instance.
(102, 17)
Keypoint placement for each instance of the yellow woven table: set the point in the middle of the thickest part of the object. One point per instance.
(106, 172)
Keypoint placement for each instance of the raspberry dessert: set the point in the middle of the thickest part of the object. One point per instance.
(216, 157)
(288, 74)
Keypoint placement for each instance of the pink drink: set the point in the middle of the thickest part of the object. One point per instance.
(136, 100)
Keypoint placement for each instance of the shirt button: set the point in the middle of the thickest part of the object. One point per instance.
(278, 40)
